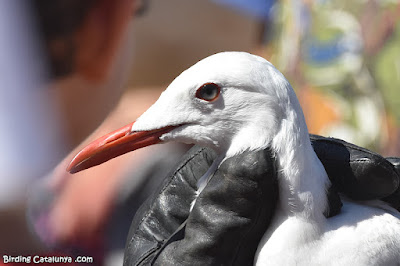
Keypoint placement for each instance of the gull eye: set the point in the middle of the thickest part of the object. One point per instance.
(208, 92)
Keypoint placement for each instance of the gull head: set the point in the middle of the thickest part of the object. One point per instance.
(230, 101)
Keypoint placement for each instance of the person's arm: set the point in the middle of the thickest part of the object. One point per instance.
(355, 171)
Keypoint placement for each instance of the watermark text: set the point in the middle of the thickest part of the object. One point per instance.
(36, 259)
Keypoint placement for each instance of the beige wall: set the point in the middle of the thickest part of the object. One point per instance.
(174, 34)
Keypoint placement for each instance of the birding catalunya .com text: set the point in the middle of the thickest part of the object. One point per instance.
(46, 259)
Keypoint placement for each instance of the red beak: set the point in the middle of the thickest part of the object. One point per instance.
(113, 145)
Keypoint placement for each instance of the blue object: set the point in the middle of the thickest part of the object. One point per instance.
(261, 9)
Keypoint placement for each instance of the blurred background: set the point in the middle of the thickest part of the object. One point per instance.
(342, 58)
(73, 70)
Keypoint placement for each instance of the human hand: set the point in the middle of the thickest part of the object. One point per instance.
(229, 215)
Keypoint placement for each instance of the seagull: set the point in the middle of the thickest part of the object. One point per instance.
(235, 102)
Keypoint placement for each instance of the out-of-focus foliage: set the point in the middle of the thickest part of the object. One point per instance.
(343, 59)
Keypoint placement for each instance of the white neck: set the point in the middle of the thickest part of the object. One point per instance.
(301, 176)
